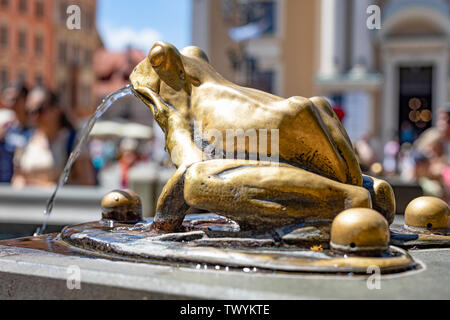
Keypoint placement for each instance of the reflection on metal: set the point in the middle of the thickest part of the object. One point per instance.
(427, 213)
(362, 231)
(122, 206)
(217, 242)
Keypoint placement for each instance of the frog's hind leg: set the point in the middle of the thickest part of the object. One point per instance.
(261, 195)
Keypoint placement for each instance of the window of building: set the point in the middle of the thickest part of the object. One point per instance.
(262, 13)
(76, 55)
(39, 81)
(88, 58)
(39, 9)
(62, 92)
(260, 79)
(88, 20)
(416, 87)
(38, 45)
(63, 12)
(227, 9)
(62, 52)
(4, 36)
(22, 43)
(21, 77)
(4, 77)
(23, 6)
(5, 3)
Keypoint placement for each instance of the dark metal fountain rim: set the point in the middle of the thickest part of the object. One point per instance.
(195, 247)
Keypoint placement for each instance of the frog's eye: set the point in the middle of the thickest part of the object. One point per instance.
(157, 55)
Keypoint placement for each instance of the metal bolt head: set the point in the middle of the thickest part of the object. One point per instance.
(360, 230)
(427, 212)
(123, 206)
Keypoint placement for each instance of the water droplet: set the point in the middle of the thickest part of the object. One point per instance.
(246, 269)
(198, 266)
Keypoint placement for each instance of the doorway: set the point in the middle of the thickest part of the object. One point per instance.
(415, 101)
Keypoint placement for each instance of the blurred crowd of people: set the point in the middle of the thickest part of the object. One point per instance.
(36, 138)
(423, 159)
(37, 135)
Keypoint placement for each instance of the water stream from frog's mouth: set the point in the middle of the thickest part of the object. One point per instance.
(81, 141)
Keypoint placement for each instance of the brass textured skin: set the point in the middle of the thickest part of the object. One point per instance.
(427, 212)
(317, 177)
(122, 206)
(360, 229)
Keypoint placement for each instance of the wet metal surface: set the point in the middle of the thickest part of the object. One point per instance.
(407, 237)
(213, 241)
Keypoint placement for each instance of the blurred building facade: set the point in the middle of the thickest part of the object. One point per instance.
(112, 71)
(37, 47)
(387, 80)
(266, 44)
(393, 80)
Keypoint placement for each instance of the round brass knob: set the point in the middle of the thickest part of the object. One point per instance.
(122, 206)
(427, 213)
(360, 230)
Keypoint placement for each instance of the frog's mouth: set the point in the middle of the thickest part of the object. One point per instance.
(147, 100)
(148, 97)
(153, 100)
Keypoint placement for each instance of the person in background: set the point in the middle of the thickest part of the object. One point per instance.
(15, 132)
(443, 127)
(407, 133)
(365, 153)
(434, 142)
(391, 150)
(44, 157)
(429, 185)
(128, 158)
(406, 164)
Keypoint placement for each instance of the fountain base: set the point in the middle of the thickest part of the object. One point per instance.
(212, 241)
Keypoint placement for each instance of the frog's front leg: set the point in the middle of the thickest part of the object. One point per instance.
(171, 207)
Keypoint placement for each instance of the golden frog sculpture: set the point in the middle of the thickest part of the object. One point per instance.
(296, 163)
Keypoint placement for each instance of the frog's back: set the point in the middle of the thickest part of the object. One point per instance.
(307, 135)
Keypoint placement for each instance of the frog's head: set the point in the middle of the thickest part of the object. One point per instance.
(170, 74)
